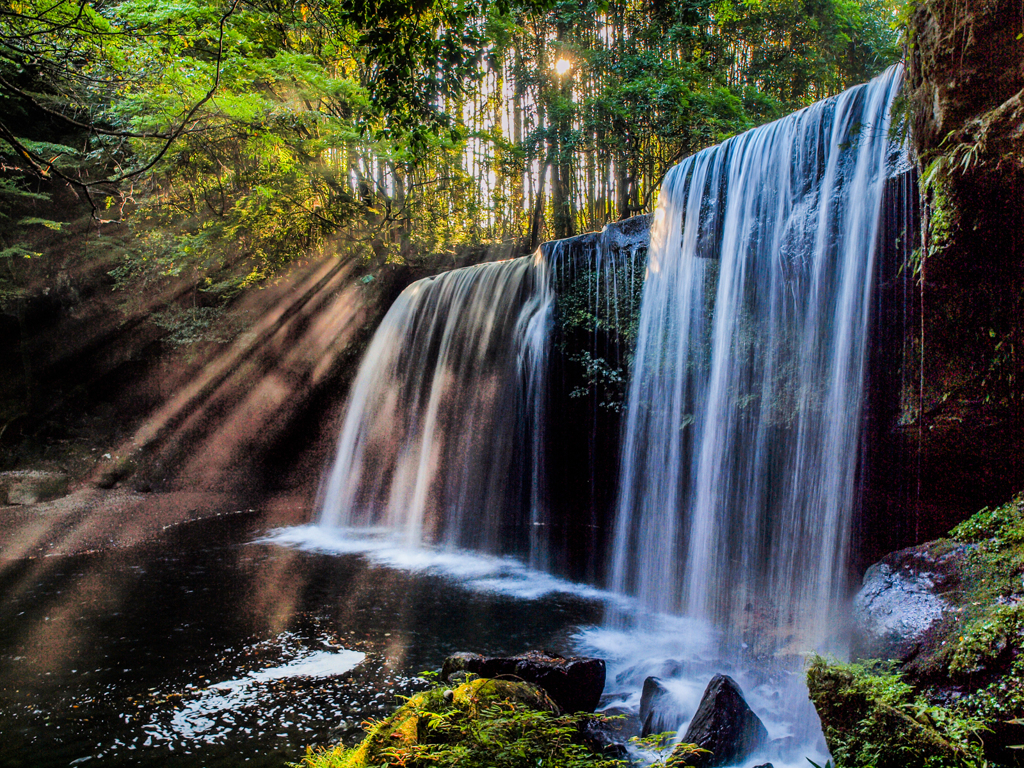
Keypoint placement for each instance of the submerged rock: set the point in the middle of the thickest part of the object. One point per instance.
(724, 725)
(574, 684)
(31, 486)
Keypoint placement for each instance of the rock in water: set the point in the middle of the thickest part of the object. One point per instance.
(458, 662)
(724, 725)
(656, 710)
(574, 684)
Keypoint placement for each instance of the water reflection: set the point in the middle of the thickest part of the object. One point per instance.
(196, 649)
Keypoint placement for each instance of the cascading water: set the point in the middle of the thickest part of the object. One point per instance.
(440, 443)
(740, 455)
(597, 279)
(743, 423)
(443, 441)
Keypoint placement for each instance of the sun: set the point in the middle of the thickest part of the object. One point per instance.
(562, 66)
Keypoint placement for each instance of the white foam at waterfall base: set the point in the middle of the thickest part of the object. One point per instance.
(684, 655)
(474, 571)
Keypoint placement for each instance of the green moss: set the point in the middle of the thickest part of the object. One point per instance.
(985, 642)
(492, 723)
(986, 631)
(1000, 527)
(871, 718)
(985, 639)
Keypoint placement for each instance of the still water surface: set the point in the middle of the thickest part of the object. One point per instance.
(213, 646)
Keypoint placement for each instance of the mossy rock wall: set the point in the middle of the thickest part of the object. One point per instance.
(965, 94)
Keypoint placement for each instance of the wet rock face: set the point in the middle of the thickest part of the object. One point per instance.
(900, 601)
(965, 94)
(967, 59)
(657, 709)
(574, 684)
(724, 725)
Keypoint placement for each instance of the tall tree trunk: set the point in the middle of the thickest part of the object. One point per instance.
(537, 220)
(622, 185)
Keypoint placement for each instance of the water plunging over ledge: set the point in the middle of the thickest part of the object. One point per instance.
(741, 445)
(188, 649)
(740, 465)
(440, 441)
(742, 427)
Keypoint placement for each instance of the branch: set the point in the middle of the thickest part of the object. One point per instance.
(191, 113)
(44, 168)
(71, 121)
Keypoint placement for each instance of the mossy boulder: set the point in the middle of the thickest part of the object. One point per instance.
(972, 656)
(412, 723)
(869, 721)
(575, 684)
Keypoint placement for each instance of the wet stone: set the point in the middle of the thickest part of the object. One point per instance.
(657, 713)
(31, 486)
(575, 684)
(724, 725)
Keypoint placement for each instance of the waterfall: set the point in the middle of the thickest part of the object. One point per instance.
(444, 438)
(740, 459)
(739, 465)
(440, 443)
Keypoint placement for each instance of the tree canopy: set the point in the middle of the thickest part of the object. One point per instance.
(233, 136)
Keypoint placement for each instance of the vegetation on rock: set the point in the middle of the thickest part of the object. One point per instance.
(872, 718)
(965, 101)
(966, 678)
(484, 722)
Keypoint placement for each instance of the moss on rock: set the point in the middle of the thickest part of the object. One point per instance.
(483, 722)
(871, 719)
(971, 660)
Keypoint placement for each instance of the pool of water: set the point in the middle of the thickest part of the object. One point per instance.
(214, 646)
(222, 644)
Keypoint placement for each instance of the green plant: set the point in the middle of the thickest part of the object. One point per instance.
(482, 723)
(872, 718)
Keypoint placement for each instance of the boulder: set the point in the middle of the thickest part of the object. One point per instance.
(410, 724)
(900, 600)
(574, 684)
(606, 738)
(658, 712)
(458, 662)
(31, 486)
(724, 725)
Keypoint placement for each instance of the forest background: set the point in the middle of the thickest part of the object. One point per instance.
(221, 141)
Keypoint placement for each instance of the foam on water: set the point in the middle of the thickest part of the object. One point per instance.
(474, 571)
(684, 654)
(214, 714)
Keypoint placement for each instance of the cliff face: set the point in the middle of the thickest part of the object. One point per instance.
(966, 76)
(965, 91)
